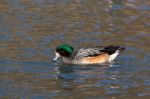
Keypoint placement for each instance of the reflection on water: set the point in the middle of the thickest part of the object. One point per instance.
(30, 30)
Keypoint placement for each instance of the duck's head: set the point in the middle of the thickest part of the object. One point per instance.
(63, 50)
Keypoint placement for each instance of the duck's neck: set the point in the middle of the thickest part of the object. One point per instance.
(67, 60)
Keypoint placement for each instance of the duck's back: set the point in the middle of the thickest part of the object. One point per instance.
(98, 54)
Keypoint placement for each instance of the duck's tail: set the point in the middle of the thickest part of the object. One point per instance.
(114, 52)
(113, 49)
(121, 49)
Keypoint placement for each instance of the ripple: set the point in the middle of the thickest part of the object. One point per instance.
(6, 37)
(30, 30)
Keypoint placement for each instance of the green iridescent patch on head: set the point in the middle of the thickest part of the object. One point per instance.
(65, 47)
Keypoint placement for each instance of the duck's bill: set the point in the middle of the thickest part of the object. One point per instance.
(55, 59)
(57, 56)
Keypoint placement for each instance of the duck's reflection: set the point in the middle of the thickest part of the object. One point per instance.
(66, 77)
(72, 77)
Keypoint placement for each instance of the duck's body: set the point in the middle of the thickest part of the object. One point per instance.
(89, 55)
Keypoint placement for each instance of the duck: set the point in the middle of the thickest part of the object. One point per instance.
(87, 55)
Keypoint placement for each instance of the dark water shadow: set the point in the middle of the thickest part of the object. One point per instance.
(70, 77)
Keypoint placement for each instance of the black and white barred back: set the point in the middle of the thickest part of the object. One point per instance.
(94, 51)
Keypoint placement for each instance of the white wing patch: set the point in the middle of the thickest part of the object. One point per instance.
(113, 56)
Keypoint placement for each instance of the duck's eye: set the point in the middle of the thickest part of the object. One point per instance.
(61, 52)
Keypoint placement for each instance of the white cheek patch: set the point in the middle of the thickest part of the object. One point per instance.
(113, 56)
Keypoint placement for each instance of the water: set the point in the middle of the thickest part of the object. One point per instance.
(31, 29)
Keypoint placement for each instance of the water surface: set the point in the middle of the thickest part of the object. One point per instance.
(31, 29)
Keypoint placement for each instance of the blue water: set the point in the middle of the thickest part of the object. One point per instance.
(31, 29)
